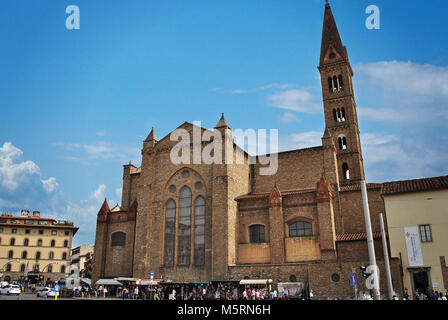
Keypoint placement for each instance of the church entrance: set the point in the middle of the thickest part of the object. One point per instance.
(420, 280)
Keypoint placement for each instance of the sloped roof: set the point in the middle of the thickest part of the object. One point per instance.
(415, 185)
(330, 36)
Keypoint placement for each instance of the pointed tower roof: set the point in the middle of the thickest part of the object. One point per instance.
(330, 37)
(222, 123)
(104, 208)
(151, 136)
(326, 133)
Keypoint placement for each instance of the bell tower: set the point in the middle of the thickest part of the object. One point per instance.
(339, 101)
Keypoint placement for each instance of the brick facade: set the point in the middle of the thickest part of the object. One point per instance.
(315, 187)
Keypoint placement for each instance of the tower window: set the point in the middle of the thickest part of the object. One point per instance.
(345, 171)
(342, 143)
(340, 83)
(339, 114)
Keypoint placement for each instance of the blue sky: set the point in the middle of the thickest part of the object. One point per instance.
(77, 104)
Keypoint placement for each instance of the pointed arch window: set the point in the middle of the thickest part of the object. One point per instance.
(330, 85)
(170, 232)
(199, 231)
(340, 83)
(183, 244)
(345, 171)
(342, 143)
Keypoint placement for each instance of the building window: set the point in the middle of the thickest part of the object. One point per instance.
(425, 233)
(335, 277)
(51, 255)
(199, 231)
(12, 241)
(300, 229)
(36, 268)
(184, 238)
(1, 230)
(27, 231)
(24, 255)
(8, 267)
(118, 239)
(22, 267)
(292, 278)
(39, 243)
(170, 232)
(340, 83)
(256, 234)
(10, 254)
(62, 269)
(67, 233)
(342, 143)
(65, 243)
(54, 232)
(26, 242)
(53, 243)
(50, 268)
(172, 189)
(37, 255)
(185, 174)
(41, 231)
(345, 172)
(14, 230)
(64, 255)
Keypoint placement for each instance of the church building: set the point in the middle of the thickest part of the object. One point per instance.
(228, 222)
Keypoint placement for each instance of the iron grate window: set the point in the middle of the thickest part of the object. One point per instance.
(257, 234)
(425, 233)
(300, 229)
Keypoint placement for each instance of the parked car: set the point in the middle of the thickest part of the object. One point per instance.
(10, 289)
(46, 292)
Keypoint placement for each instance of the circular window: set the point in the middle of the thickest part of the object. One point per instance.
(198, 185)
(172, 189)
(335, 277)
(292, 278)
(186, 174)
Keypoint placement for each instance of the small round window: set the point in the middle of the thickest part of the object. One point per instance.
(186, 174)
(335, 277)
(198, 186)
(172, 189)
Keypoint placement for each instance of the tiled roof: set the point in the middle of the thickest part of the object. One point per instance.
(357, 187)
(356, 236)
(415, 185)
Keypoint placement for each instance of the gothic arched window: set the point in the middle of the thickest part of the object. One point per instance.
(256, 234)
(342, 143)
(343, 114)
(118, 239)
(170, 232)
(335, 84)
(345, 171)
(199, 231)
(183, 244)
(330, 84)
(300, 229)
(340, 83)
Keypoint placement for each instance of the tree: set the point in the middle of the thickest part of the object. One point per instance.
(87, 271)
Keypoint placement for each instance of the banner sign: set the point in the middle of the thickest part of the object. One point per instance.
(414, 249)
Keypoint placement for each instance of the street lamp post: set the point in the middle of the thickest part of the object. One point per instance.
(47, 266)
(1, 270)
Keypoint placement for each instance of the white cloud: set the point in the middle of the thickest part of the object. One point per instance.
(100, 150)
(300, 100)
(50, 184)
(101, 133)
(403, 92)
(118, 192)
(300, 140)
(288, 117)
(276, 86)
(15, 172)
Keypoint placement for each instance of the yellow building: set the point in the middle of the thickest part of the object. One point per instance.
(34, 247)
(417, 219)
